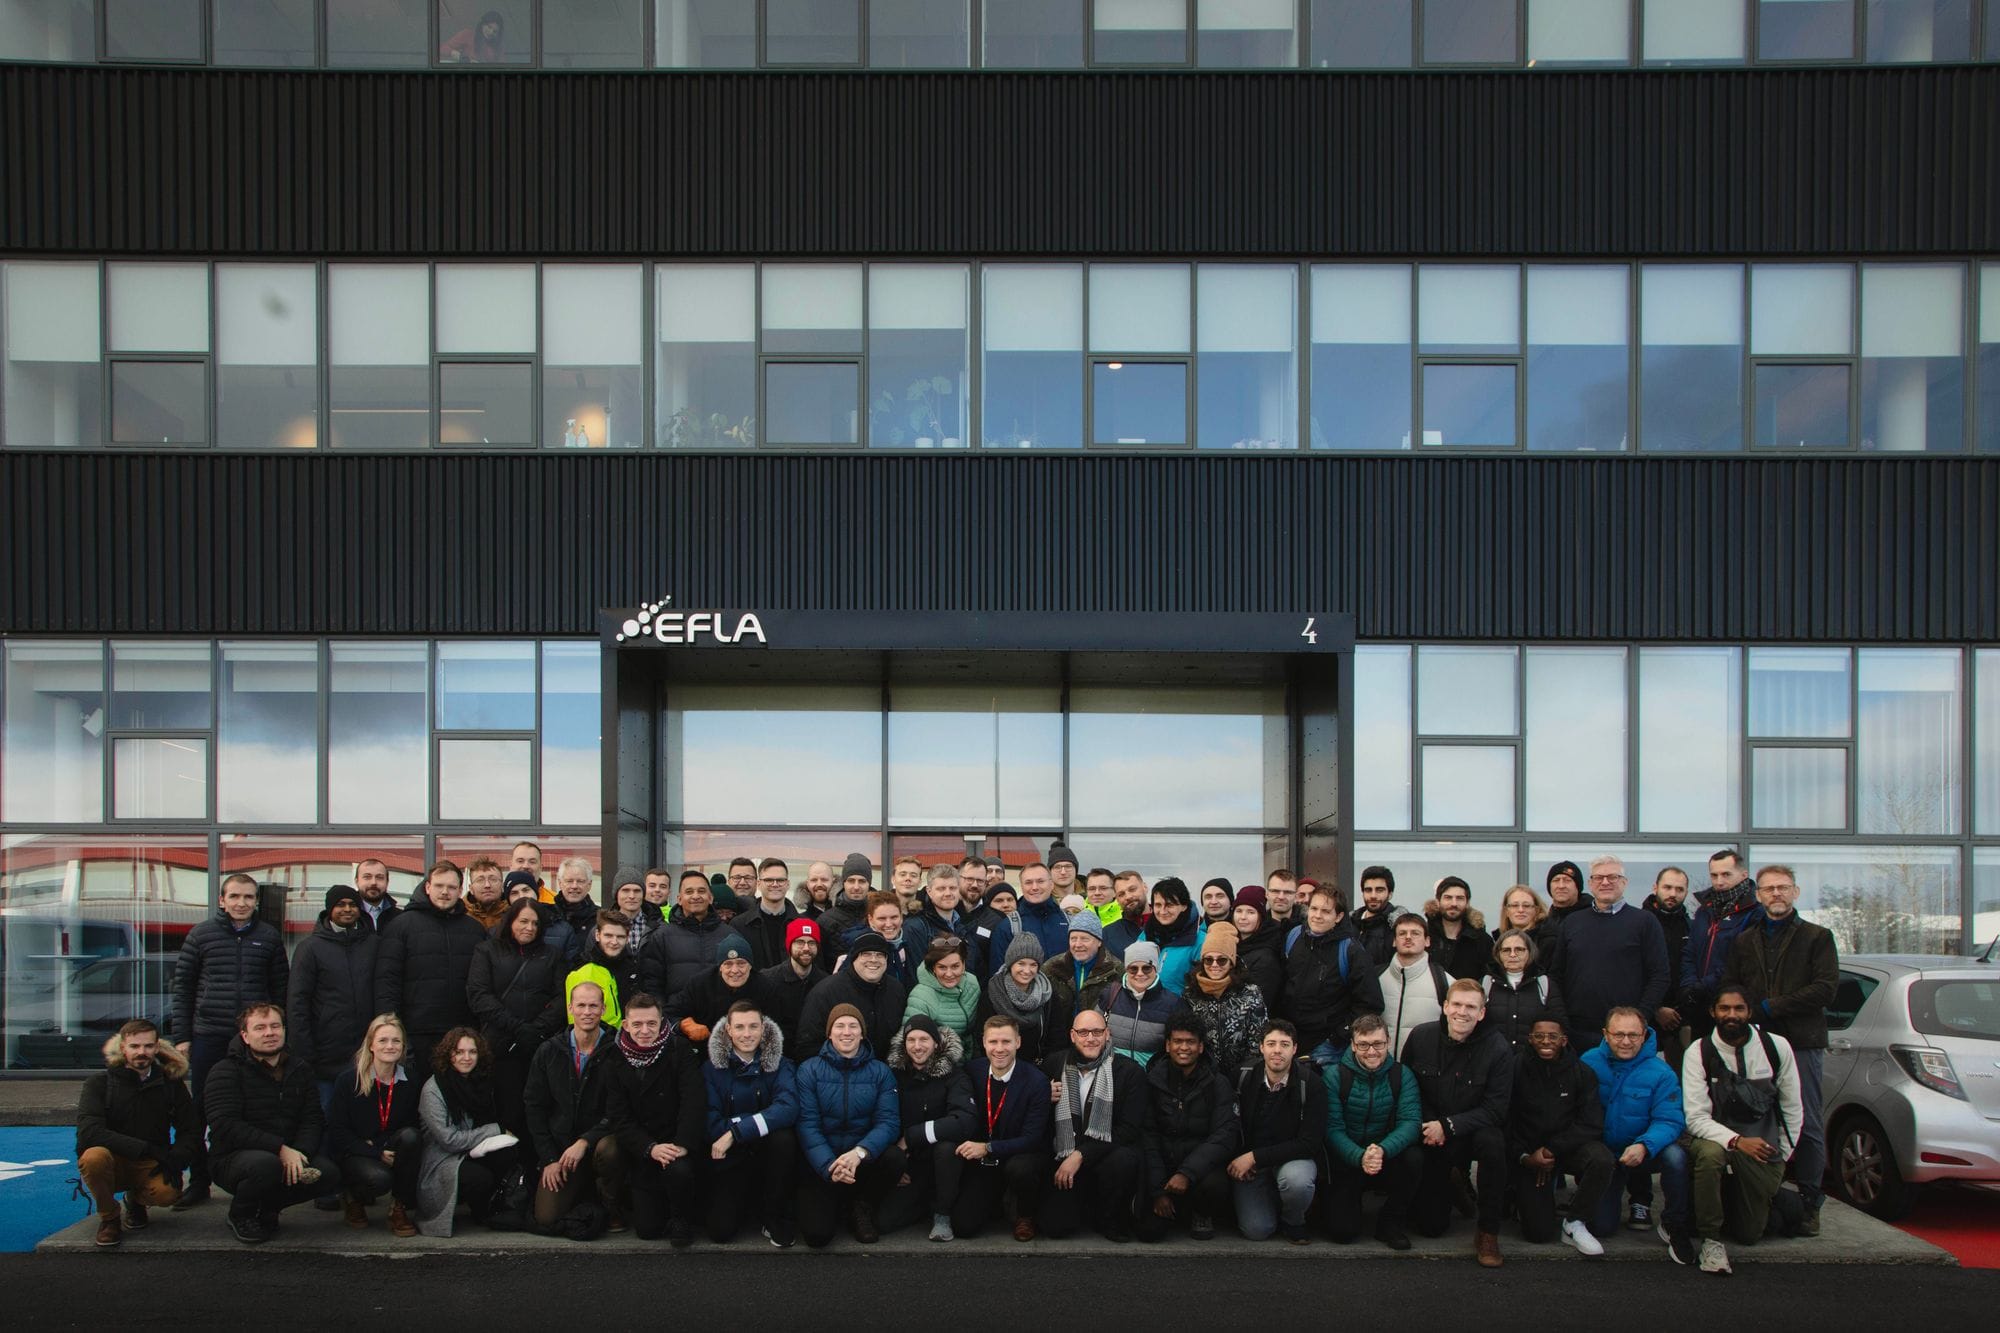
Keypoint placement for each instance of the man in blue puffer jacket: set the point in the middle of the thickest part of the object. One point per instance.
(849, 1117)
(1643, 1124)
(753, 1104)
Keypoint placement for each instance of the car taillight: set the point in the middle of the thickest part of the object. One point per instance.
(1930, 1067)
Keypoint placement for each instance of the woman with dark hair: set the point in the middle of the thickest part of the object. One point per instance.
(484, 43)
(1259, 943)
(1172, 928)
(515, 988)
(1231, 1009)
(1021, 991)
(1218, 896)
(943, 992)
(1519, 991)
(466, 1153)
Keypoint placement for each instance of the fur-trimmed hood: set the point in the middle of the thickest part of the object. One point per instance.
(769, 1051)
(950, 1053)
(1473, 916)
(167, 1059)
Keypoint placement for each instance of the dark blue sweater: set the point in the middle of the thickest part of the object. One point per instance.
(1608, 959)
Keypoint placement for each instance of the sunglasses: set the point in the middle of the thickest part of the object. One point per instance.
(1217, 961)
(1142, 967)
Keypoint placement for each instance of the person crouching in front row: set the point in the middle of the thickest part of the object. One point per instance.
(136, 1126)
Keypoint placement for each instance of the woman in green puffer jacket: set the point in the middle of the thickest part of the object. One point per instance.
(943, 993)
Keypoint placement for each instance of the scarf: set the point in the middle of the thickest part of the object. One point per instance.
(640, 1057)
(468, 1098)
(1022, 1004)
(1211, 987)
(1168, 937)
(1096, 1116)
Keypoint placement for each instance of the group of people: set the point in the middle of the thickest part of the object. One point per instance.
(1081, 1050)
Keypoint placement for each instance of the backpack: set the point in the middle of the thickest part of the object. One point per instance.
(1292, 940)
(1734, 1097)
(1395, 1082)
(1541, 986)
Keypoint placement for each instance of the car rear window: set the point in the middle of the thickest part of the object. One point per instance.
(1956, 1008)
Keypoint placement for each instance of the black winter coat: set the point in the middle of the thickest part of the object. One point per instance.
(764, 933)
(354, 1120)
(516, 995)
(1193, 1128)
(250, 1105)
(1263, 959)
(880, 1003)
(1131, 1106)
(680, 951)
(788, 992)
(332, 995)
(666, 1102)
(1318, 1000)
(935, 1102)
(1554, 1105)
(222, 971)
(1285, 1126)
(422, 967)
(1674, 925)
(155, 1118)
(1466, 1084)
(1376, 933)
(1791, 974)
(707, 1000)
(563, 1106)
(581, 918)
(1512, 1010)
(1467, 956)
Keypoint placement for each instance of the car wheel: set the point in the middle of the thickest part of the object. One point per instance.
(1864, 1168)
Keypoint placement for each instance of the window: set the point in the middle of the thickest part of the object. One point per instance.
(1690, 740)
(779, 754)
(485, 403)
(157, 685)
(917, 34)
(1691, 358)
(1246, 34)
(1878, 898)
(302, 869)
(1165, 758)
(373, 34)
(917, 355)
(1907, 742)
(1382, 736)
(379, 356)
(267, 346)
(1805, 29)
(1363, 34)
(1696, 32)
(1465, 312)
(593, 34)
(707, 368)
(705, 34)
(377, 719)
(1361, 356)
(1985, 895)
(54, 356)
(485, 32)
(264, 32)
(1468, 786)
(1033, 356)
(1470, 32)
(592, 333)
(159, 346)
(1578, 363)
(159, 689)
(485, 779)
(1986, 742)
(1033, 34)
(812, 311)
(1798, 788)
(572, 728)
(486, 685)
(63, 31)
(268, 734)
(1904, 31)
(1246, 338)
(1466, 691)
(485, 310)
(1848, 997)
(54, 747)
(1139, 335)
(1489, 866)
(1989, 350)
(1575, 739)
(159, 777)
(1799, 692)
(1140, 32)
(1802, 312)
(975, 756)
(1579, 32)
(812, 32)
(165, 30)
(1913, 358)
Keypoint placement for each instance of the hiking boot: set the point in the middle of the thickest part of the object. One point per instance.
(1640, 1218)
(249, 1228)
(196, 1193)
(1715, 1259)
(1202, 1227)
(399, 1221)
(357, 1212)
(136, 1216)
(1809, 1225)
(1486, 1245)
(1577, 1236)
(680, 1235)
(1024, 1229)
(863, 1222)
(109, 1232)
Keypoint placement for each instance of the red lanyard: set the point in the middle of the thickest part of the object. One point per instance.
(992, 1111)
(385, 1098)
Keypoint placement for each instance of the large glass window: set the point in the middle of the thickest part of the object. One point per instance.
(572, 728)
(1246, 34)
(1033, 356)
(917, 34)
(159, 777)
(1907, 742)
(1986, 742)
(159, 340)
(1578, 364)
(485, 32)
(54, 356)
(812, 310)
(268, 737)
(53, 767)
(705, 34)
(1195, 758)
(1902, 31)
(1468, 786)
(1382, 736)
(1805, 29)
(93, 927)
(1576, 739)
(485, 778)
(1467, 691)
(63, 31)
(1799, 692)
(1363, 34)
(1696, 32)
(1802, 311)
(707, 320)
(1579, 32)
(267, 345)
(1877, 899)
(264, 32)
(160, 685)
(483, 403)
(592, 333)
(917, 355)
(1140, 309)
(1361, 356)
(593, 34)
(1471, 32)
(1989, 347)
(1033, 34)
(484, 310)
(1140, 32)
(1469, 311)
(377, 725)
(1246, 344)
(1690, 740)
(1795, 787)
(377, 33)
(784, 755)
(379, 356)
(1691, 358)
(486, 685)
(812, 32)
(1490, 868)
(152, 30)
(975, 756)
(1913, 358)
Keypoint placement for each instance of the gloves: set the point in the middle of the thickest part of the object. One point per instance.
(693, 1031)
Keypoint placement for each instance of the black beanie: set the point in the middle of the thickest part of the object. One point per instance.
(1060, 853)
(857, 863)
(524, 878)
(342, 893)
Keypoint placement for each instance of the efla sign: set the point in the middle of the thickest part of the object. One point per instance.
(657, 621)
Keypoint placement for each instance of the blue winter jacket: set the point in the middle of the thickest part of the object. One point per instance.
(1641, 1096)
(1710, 935)
(846, 1101)
(1044, 920)
(749, 1098)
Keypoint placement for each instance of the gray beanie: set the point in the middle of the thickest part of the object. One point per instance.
(1142, 951)
(1088, 923)
(1023, 946)
(857, 863)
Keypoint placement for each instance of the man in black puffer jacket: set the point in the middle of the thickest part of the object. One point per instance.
(684, 948)
(1464, 1082)
(424, 961)
(1192, 1134)
(863, 981)
(658, 1111)
(265, 1127)
(1555, 1127)
(227, 963)
(332, 993)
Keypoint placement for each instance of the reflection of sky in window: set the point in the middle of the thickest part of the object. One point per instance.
(378, 762)
(1907, 742)
(958, 770)
(1487, 866)
(1576, 738)
(486, 686)
(1690, 729)
(484, 780)
(572, 721)
(1159, 770)
(778, 766)
(269, 737)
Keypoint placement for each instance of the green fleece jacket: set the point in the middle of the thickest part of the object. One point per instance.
(1372, 1112)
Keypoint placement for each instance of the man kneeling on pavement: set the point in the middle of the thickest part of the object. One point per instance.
(136, 1127)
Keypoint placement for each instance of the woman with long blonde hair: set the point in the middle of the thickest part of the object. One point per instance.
(372, 1128)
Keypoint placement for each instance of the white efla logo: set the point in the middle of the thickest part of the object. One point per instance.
(686, 627)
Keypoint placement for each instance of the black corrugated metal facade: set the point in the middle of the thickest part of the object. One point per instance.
(1738, 549)
(1624, 163)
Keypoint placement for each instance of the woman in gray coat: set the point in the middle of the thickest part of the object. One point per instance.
(466, 1153)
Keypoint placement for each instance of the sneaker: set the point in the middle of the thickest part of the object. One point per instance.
(1577, 1236)
(1809, 1226)
(196, 1193)
(1680, 1247)
(109, 1232)
(780, 1235)
(136, 1216)
(1202, 1227)
(1640, 1218)
(680, 1235)
(941, 1228)
(1714, 1259)
(249, 1229)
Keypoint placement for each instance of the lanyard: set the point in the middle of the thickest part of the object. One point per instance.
(385, 1099)
(992, 1111)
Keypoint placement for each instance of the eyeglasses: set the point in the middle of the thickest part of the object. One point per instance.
(779, 882)
(1607, 879)
(1217, 961)
(1089, 1032)
(1371, 1045)
(1142, 967)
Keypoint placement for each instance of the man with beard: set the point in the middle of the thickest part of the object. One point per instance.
(371, 881)
(790, 982)
(1740, 1089)
(1281, 898)
(864, 981)
(1192, 1134)
(697, 1010)
(1378, 912)
(763, 926)
(136, 1126)
(971, 884)
(816, 895)
(1668, 905)
(423, 963)
(684, 948)
(857, 878)
(1459, 940)
(1725, 907)
(1132, 894)
(485, 897)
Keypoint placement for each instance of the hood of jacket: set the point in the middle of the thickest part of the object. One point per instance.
(167, 1059)
(770, 1049)
(1474, 918)
(949, 1054)
(1652, 904)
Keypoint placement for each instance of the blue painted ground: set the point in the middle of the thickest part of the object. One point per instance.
(36, 1168)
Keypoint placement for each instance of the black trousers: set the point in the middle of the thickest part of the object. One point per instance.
(821, 1202)
(368, 1180)
(973, 1191)
(1485, 1148)
(510, 1081)
(920, 1200)
(1399, 1179)
(204, 1054)
(1209, 1196)
(756, 1178)
(661, 1195)
(256, 1182)
(479, 1177)
(1102, 1196)
(1590, 1163)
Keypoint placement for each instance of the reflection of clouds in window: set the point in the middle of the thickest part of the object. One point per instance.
(774, 755)
(572, 720)
(269, 733)
(966, 756)
(378, 761)
(1159, 771)
(1690, 734)
(1882, 899)
(484, 780)
(1907, 742)
(1576, 738)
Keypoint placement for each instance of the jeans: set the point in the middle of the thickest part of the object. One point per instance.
(1809, 1158)
(1269, 1196)
(1671, 1165)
